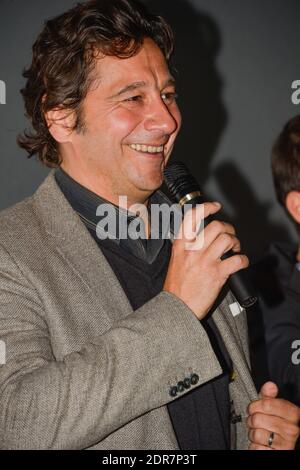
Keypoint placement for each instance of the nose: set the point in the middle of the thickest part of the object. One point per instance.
(161, 118)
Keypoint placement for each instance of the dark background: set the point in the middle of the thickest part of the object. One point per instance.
(235, 61)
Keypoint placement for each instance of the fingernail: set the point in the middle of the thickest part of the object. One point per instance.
(217, 204)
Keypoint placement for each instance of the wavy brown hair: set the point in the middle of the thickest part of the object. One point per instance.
(64, 57)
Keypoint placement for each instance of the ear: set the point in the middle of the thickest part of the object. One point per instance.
(60, 124)
(292, 204)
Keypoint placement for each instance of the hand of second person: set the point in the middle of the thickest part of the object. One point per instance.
(273, 422)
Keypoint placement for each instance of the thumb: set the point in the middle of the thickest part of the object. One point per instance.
(268, 390)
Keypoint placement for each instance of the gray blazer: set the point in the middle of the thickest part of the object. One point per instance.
(83, 370)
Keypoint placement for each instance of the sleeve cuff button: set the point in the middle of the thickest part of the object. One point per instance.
(173, 392)
(194, 379)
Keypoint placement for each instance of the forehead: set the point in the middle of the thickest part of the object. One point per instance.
(148, 65)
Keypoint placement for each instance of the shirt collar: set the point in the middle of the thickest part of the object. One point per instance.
(86, 202)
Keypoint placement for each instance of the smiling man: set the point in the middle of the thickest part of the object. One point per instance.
(104, 347)
(129, 127)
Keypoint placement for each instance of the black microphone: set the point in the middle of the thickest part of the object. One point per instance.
(184, 188)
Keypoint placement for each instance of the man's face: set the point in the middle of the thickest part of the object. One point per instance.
(131, 121)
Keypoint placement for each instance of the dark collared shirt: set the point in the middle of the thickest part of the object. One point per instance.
(86, 202)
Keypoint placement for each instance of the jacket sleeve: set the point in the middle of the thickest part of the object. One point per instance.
(76, 402)
(282, 325)
(274, 329)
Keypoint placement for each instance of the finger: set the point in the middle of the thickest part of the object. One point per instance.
(258, 447)
(262, 436)
(211, 208)
(288, 431)
(214, 229)
(269, 390)
(275, 407)
(222, 244)
(193, 219)
(233, 264)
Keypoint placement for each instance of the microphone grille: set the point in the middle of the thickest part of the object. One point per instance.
(179, 180)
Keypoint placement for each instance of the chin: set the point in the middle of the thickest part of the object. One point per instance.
(153, 185)
(149, 182)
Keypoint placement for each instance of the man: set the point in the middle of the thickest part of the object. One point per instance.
(278, 276)
(105, 349)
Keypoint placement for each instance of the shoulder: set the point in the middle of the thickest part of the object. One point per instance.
(274, 268)
(21, 224)
(15, 220)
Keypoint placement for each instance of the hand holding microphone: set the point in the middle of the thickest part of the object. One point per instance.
(197, 276)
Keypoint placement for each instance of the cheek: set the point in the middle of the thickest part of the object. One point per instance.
(177, 116)
(122, 123)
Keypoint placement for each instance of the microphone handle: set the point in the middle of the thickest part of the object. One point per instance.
(239, 282)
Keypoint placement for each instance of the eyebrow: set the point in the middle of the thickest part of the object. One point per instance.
(137, 85)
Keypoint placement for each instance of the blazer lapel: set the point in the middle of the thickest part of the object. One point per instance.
(75, 244)
(228, 330)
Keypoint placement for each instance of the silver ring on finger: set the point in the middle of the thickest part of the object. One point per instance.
(271, 439)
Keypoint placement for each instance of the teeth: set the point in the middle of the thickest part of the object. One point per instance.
(146, 148)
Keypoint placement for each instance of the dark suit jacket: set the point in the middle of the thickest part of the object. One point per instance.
(275, 328)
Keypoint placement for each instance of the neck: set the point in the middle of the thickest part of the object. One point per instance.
(98, 184)
(131, 201)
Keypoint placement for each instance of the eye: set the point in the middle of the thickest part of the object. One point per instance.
(134, 99)
(169, 97)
